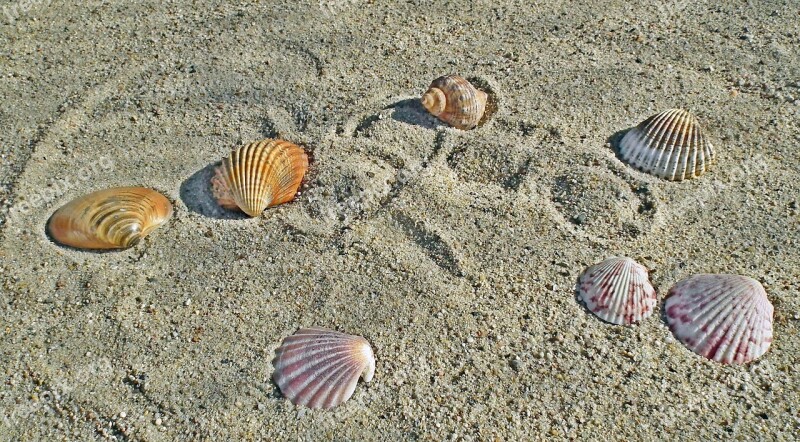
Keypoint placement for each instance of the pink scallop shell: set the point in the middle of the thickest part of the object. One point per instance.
(725, 318)
(319, 368)
(618, 291)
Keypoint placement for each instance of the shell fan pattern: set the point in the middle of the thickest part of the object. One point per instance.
(455, 101)
(669, 145)
(725, 318)
(115, 218)
(319, 368)
(618, 291)
(259, 175)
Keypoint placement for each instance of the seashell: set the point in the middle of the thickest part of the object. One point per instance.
(259, 175)
(320, 368)
(725, 318)
(115, 218)
(455, 101)
(618, 291)
(669, 145)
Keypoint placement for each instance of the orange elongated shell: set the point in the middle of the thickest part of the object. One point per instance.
(455, 101)
(319, 368)
(115, 218)
(259, 175)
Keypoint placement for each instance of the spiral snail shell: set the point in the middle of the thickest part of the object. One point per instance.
(455, 101)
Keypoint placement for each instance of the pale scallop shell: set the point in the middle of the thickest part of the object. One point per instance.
(455, 101)
(259, 175)
(115, 218)
(669, 145)
(725, 318)
(618, 291)
(319, 368)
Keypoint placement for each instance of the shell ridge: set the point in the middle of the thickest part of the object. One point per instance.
(330, 393)
(317, 380)
(655, 139)
(345, 390)
(617, 291)
(670, 145)
(725, 318)
(265, 166)
(300, 354)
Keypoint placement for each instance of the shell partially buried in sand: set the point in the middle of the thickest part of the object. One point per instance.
(455, 101)
(669, 145)
(115, 218)
(319, 368)
(618, 291)
(725, 318)
(259, 175)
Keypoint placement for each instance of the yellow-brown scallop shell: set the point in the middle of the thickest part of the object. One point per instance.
(115, 218)
(259, 175)
(455, 101)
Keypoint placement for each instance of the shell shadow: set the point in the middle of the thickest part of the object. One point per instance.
(410, 111)
(196, 194)
(579, 300)
(615, 140)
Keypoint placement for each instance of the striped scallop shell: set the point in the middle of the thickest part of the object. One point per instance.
(455, 101)
(259, 175)
(669, 145)
(618, 291)
(725, 318)
(319, 368)
(115, 218)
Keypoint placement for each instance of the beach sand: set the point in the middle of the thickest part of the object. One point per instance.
(455, 253)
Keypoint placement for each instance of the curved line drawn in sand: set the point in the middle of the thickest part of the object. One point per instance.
(757, 165)
(437, 249)
(409, 108)
(330, 8)
(670, 11)
(14, 12)
(300, 49)
(57, 188)
(55, 393)
(68, 122)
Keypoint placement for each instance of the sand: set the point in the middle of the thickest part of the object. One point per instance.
(455, 253)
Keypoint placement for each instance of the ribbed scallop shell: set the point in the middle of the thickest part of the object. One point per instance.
(455, 101)
(259, 175)
(115, 218)
(319, 368)
(669, 145)
(618, 291)
(725, 318)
